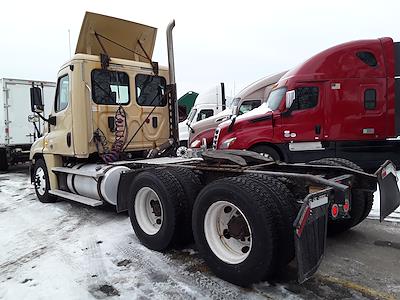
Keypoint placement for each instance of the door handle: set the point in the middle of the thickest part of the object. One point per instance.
(317, 129)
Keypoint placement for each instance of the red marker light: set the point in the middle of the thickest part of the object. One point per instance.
(335, 210)
(346, 206)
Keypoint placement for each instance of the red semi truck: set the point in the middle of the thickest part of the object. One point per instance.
(343, 102)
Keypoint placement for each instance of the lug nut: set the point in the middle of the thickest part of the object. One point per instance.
(226, 234)
(245, 249)
(227, 209)
(158, 221)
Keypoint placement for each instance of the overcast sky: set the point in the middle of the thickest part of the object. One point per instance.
(236, 42)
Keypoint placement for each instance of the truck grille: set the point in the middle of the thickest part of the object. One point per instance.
(215, 139)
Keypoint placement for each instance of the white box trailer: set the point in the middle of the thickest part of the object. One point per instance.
(17, 133)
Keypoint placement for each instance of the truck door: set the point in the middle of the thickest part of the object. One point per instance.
(303, 124)
(59, 139)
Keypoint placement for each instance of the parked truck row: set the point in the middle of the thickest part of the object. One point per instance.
(112, 138)
(323, 108)
(246, 100)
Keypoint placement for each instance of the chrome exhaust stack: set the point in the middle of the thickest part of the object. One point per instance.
(170, 46)
(174, 112)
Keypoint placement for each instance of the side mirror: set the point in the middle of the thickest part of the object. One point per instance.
(33, 118)
(36, 100)
(235, 109)
(52, 120)
(290, 96)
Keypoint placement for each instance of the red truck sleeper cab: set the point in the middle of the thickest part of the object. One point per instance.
(341, 102)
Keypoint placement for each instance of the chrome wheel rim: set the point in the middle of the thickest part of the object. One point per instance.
(148, 210)
(231, 245)
(40, 181)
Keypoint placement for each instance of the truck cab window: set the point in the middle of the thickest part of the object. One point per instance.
(204, 114)
(110, 87)
(306, 97)
(62, 98)
(275, 98)
(370, 99)
(367, 58)
(248, 106)
(150, 90)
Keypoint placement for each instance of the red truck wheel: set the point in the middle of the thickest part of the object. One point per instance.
(361, 202)
(368, 197)
(266, 151)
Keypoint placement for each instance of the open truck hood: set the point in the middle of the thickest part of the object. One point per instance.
(122, 32)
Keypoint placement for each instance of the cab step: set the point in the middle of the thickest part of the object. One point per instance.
(77, 172)
(76, 198)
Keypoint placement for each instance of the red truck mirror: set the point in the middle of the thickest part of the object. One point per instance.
(290, 96)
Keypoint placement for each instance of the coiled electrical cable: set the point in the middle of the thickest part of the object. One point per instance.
(121, 130)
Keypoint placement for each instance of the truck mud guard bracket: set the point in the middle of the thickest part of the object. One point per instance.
(388, 189)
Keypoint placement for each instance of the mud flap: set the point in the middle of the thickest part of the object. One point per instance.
(310, 233)
(388, 189)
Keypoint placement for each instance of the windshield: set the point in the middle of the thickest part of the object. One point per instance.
(275, 98)
(191, 115)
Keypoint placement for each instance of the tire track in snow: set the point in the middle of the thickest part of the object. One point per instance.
(202, 283)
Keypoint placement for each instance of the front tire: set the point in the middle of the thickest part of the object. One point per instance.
(235, 230)
(267, 151)
(41, 182)
(3, 160)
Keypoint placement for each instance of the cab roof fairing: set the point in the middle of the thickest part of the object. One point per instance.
(129, 35)
(336, 63)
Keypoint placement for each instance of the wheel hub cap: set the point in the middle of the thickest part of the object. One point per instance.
(40, 181)
(148, 210)
(227, 232)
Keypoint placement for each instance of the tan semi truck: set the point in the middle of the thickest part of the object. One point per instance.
(110, 137)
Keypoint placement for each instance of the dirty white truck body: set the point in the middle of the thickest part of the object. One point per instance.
(17, 131)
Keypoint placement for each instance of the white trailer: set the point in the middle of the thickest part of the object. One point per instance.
(17, 123)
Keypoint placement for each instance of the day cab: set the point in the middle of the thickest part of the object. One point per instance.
(111, 75)
(343, 102)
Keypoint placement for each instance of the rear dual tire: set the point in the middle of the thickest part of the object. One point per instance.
(244, 250)
(242, 226)
(161, 205)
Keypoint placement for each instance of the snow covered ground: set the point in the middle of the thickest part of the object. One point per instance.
(68, 251)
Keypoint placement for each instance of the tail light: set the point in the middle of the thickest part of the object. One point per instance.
(334, 211)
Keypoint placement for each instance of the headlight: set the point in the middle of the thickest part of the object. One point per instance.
(195, 144)
(227, 143)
